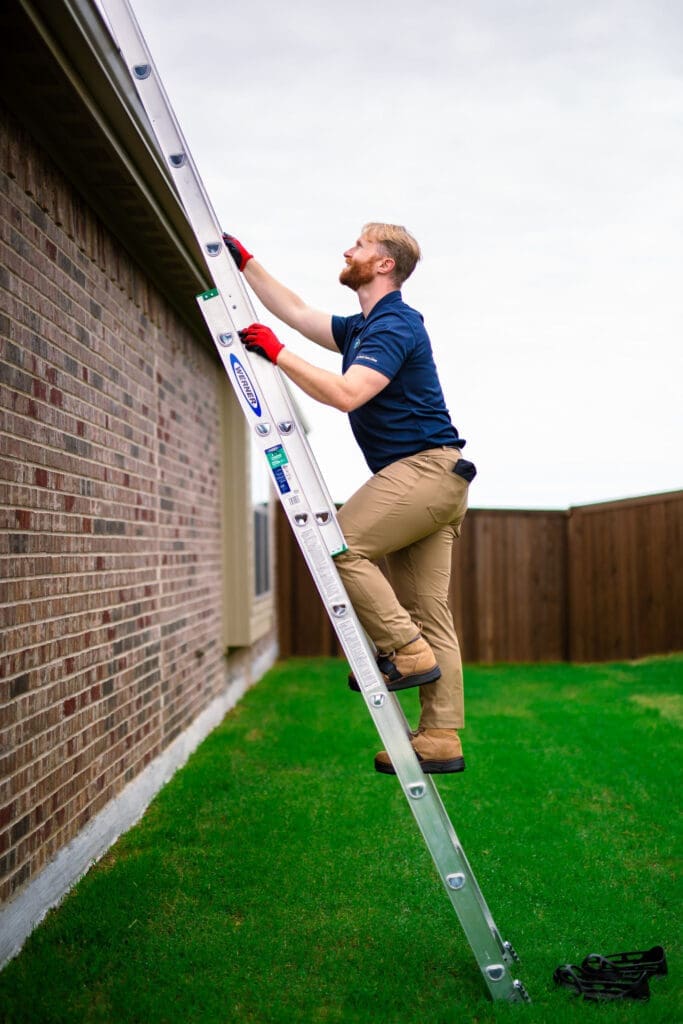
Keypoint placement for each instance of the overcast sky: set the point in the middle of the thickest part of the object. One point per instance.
(533, 147)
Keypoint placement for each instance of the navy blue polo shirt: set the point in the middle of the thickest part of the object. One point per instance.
(410, 413)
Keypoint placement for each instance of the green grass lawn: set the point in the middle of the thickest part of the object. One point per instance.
(278, 878)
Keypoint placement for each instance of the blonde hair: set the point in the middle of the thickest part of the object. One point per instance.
(399, 244)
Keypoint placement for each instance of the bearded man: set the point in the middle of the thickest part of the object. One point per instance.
(411, 509)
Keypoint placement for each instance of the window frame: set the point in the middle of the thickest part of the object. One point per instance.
(247, 617)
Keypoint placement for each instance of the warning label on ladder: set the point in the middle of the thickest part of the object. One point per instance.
(277, 458)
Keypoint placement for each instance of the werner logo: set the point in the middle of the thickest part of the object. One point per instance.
(246, 387)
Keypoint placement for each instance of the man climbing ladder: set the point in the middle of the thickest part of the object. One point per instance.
(404, 377)
(412, 508)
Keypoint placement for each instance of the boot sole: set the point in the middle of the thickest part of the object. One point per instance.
(405, 682)
(447, 767)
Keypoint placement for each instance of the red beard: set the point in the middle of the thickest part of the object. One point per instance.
(354, 275)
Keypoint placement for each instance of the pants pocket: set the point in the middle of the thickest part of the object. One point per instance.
(451, 504)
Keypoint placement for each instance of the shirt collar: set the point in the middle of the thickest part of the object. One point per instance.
(390, 299)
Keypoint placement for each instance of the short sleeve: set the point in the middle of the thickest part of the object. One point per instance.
(339, 331)
(385, 346)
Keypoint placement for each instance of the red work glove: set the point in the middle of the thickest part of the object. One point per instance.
(260, 339)
(237, 251)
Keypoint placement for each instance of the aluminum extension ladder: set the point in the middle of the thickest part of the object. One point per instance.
(265, 401)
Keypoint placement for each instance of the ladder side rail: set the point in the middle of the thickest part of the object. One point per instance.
(271, 381)
(493, 956)
(255, 406)
(234, 308)
(281, 419)
(446, 831)
(447, 853)
(241, 312)
(419, 789)
(387, 715)
(307, 452)
(207, 230)
(436, 828)
(174, 149)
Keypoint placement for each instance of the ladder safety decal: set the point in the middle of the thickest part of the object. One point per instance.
(277, 460)
(365, 669)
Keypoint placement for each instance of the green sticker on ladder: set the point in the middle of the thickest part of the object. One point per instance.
(277, 457)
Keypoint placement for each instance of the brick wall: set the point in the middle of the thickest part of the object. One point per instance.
(110, 544)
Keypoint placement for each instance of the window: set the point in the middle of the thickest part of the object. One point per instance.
(261, 494)
(248, 532)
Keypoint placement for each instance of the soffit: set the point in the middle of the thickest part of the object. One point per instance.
(63, 76)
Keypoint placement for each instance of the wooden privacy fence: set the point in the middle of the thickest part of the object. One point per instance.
(594, 583)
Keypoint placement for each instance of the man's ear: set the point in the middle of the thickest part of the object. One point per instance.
(387, 265)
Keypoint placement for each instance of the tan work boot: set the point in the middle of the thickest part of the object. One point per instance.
(439, 752)
(411, 665)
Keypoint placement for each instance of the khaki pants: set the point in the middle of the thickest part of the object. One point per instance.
(409, 513)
